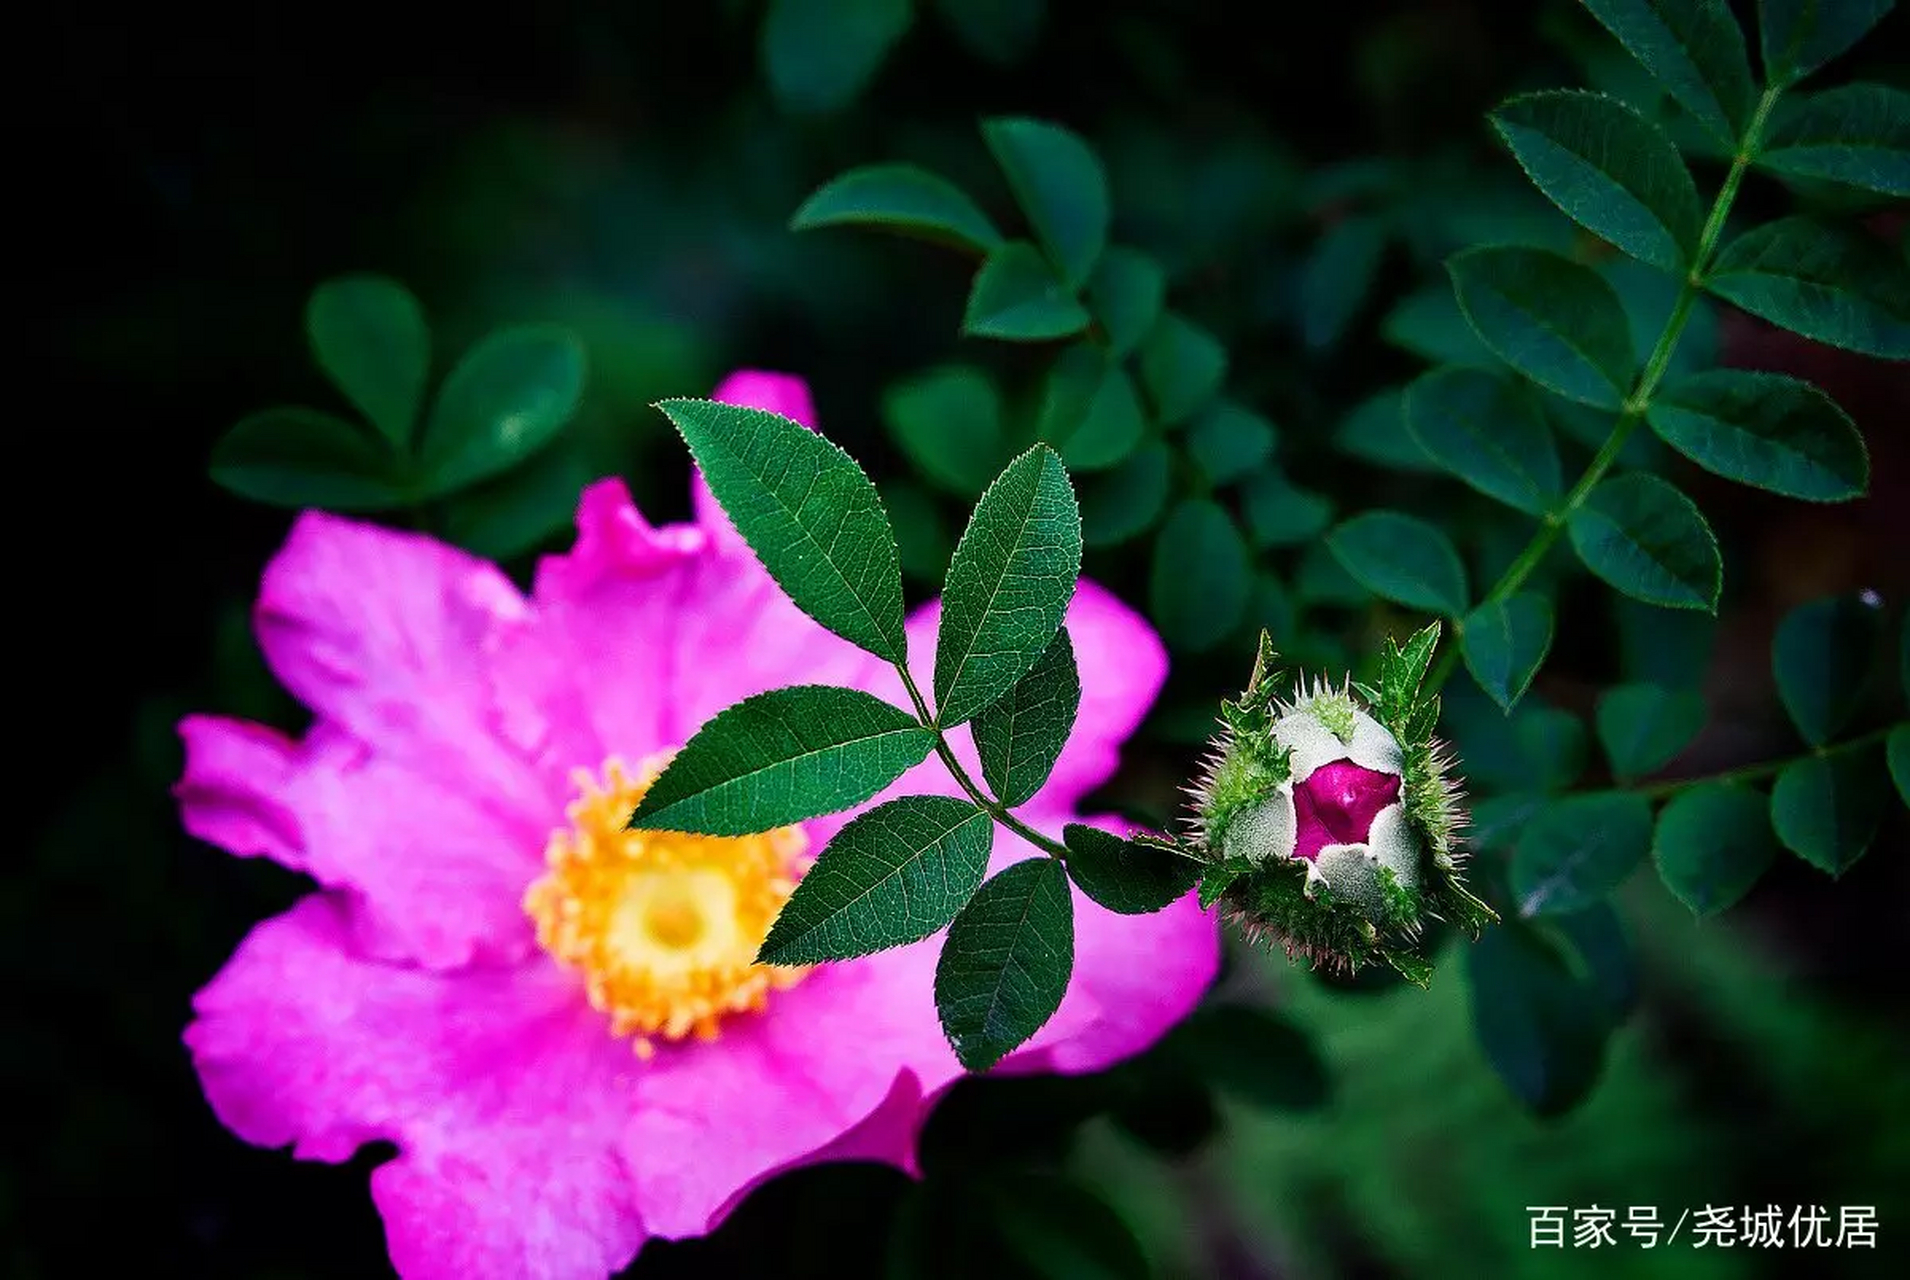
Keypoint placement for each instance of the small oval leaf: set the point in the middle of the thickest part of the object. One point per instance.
(1126, 876)
(948, 422)
(1228, 441)
(1713, 844)
(295, 457)
(1578, 849)
(509, 396)
(1831, 283)
(1182, 367)
(1060, 185)
(1822, 655)
(1020, 736)
(1017, 297)
(1696, 50)
(1799, 36)
(368, 334)
(1489, 433)
(1126, 293)
(1006, 962)
(1643, 727)
(1125, 502)
(900, 198)
(1649, 541)
(819, 55)
(1280, 513)
(1826, 809)
(1504, 642)
(1555, 321)
(1857, 134)
(1402, 558)
(1764, 429)
(1201, 578)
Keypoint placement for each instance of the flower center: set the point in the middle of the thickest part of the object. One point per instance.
(664, 927)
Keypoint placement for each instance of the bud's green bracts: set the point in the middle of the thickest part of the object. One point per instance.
(1328, 817)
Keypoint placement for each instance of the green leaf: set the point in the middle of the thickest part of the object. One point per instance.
(1430, 325)
(1828, 282)
(1018, 298)
(1713, 844)
(810, 514)
(1649, 541)
(1402, 558)
(1092, 412)
(1280, 514)
(1899, 757)
(1504, 642)
(1558, 323)
(1695, 49)
(1020, 736)
(1609, 169)
(892, 876)
(1857, 134)
(1126, 876)
(1578, 849)
(1002, 32)
(522, 509)
(1826, 809)
(1125, 502)
(1766, 430)
(1201, 578)
(368, 334)
(948, 422)
(1182, 367)
(1008, 586)
(1542, 1026)
(1799, 36)
(1822, 655)
(1059, 1229)
(1376, 431)
(1006, 962)
(1337, 277)
(1600, 953)
(1489, 433)
(294, 457)
(780, 757)
(509, 396)
(819, 55)
(1228, 441)
(902, 199)
(1643, 727)
(1060, 185)
(922, 537)
(1126, 293)
(1252, 1054)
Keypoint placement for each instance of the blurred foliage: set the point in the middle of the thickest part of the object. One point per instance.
(1299, 191)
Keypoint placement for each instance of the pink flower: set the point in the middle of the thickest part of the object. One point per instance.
(571, 1051)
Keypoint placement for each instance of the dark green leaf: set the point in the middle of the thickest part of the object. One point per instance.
(1899, 756)
(780, 757)
(1643, 727)
(1020, 737)
(1228, 441)
(509, 396)
(1126, 293)
(922, 536)
(1764, 429)
(892, 876)
(1126, 876)
(819, 55)
(1505, 642)
(1376, 431)
(1498, 820)
(903, 199)
(1543, 1028)
(295, 457)
(1799, 36)
(1337, 277)
(1667, 647)
(1018, 298)
(1430, 325)
(1857, 134)
(948, 422)
(1253, 1054)
(1062, 1230)
(1609, 168)
(1402, 558)
(1578, 849)
(1279, 514)
(1201, 577)
(1827, 282)
(1006, 962)
(1182, 367)
(1125, 502)
(1489, 433)
(998, 31)
(369, 336)
(1696, 50)
(1600, 953)
(810, 514)
(1008, 586)
(1826, 809)
(520, 510)
(1059, 184)
(1646, 539)
(1320, 578)
(1092, 412)
(1713, 844)
(1822, 654)
(1558, 323)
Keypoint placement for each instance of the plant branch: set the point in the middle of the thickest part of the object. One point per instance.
(1763, 769)
(996, 810)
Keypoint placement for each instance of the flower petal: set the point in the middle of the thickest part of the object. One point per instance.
(500, 1087)
(232, 791)
(782, 393)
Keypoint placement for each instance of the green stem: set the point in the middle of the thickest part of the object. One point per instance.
(996, 810)
(1633, 411)
(1763, 769)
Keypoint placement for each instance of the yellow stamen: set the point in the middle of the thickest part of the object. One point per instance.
(663, 927)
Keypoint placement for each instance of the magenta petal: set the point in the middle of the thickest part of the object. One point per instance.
(1337, 803)
(499, 1086)
(232, 791)
(780, 393)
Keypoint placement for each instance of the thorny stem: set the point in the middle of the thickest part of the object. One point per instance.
(996, 810)
(1764, 769)
(1639, 400)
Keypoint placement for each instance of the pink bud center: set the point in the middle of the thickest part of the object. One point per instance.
(1337, 804)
